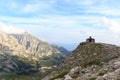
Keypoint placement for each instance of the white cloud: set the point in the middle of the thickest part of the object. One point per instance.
(81, 2)
(112, 25)
(37, 6)
(9, 29)
(56, 20)
(81, 19)
(30, 8)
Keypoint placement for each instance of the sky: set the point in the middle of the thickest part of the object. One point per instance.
(63, 22)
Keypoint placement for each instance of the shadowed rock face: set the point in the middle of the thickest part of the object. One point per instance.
(90, 61)
(4, 48)
(10, 63)
(0, 45)
(27, 45)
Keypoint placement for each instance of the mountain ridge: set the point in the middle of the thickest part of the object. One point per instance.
(89, 61)
(25, 53)
(33, 44)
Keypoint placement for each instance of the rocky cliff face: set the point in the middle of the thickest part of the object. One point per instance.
(34, 45)
(90, 61)
(10, 44)
(42, 52)
(13, 56)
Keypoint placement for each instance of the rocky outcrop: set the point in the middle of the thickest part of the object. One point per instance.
(68, 77)
(10, 44)
(90, 61)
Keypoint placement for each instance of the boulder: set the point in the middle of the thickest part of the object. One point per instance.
(68, 77)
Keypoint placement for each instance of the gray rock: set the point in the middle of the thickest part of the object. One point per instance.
(68, 77)
(75, 70)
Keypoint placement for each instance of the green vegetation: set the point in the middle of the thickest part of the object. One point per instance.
(95, 62)
(19, 77)
(74, 76)
(22, 70)
(94, 54)
(61, 75)
(92, 79)
(33, 76)
(52, 60)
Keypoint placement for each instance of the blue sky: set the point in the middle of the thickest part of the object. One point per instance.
(63, 22)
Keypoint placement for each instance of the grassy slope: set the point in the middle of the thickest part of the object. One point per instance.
(87, 54)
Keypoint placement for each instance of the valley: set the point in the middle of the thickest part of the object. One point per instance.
(22, 56)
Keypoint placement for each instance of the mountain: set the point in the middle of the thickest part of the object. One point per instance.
(34, 45)
(62, 50)
(11, 44)
(14, 57)
(23, 54)
(42, 51)
(89, 61)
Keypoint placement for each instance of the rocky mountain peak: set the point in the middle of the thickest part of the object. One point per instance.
(89, 61)
(34, 45)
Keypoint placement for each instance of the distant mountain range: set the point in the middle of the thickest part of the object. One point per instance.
(23, 53)
(62, 50)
